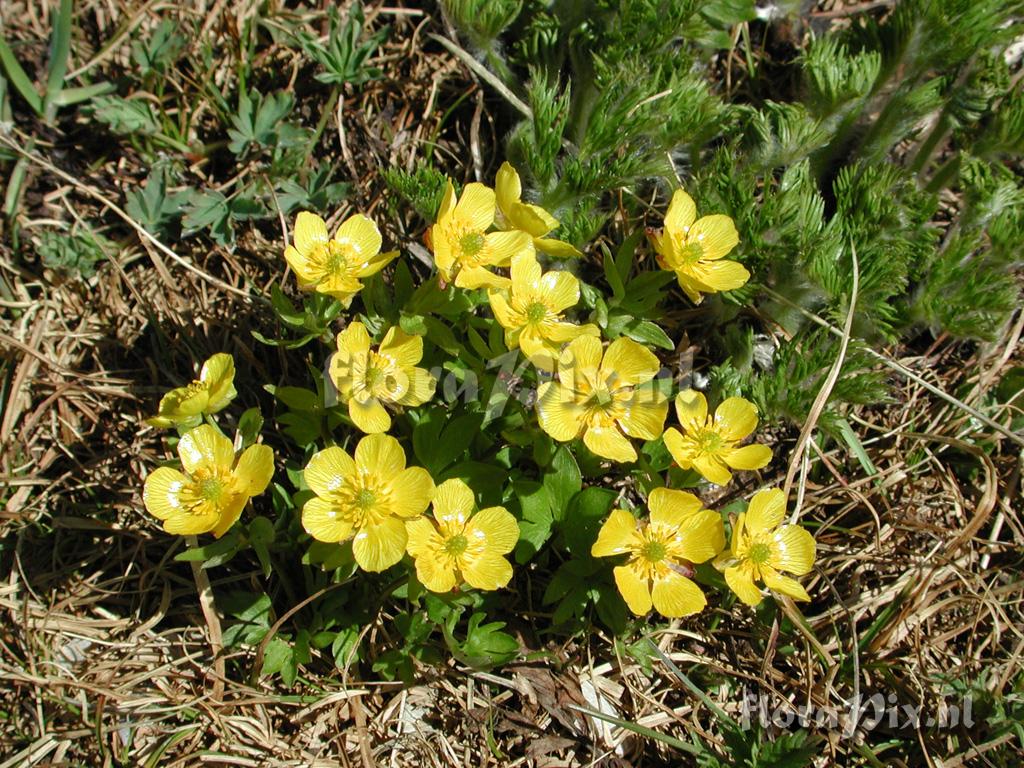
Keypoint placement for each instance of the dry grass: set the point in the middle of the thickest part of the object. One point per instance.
(105, 656)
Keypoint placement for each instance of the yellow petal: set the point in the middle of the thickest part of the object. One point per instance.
(692, 287)
(740, 579)
(181, 406)
(380, 454)
(701, 537)
(674, 595)
(508, 189)
(561, 332)
(435, 574)
(712, 468)
(340, 286)
(634, 589)
(680, 447)
(644, 415)
(300, 266)
(354, 339)
(691, 410)
(682, 212)
(411, 491)
(328, 470)
(369, 416)
(712, 276)
(617, 535)
(453, 501)
(255, 469)
(558, 413)
(229, 515)
(765, 511)
(310, 233)
(538, 350)
(375, 264)
(162, 493)
(560, 290)
(716, 234)
(496, 527)
(361, 235)
(582, 354)
(532, 219)
(778, 583)
(194, 523)
(793, 550)
(738, 536)
(404, 349)
(526, 274)
(322, 521)
(478, 277)
(443, 249)
(447, 200)
(423, 539)
(749, 457)
(475, 209)
(378, 547)
(735, 418)
(503, 312)
(205, 447)
(556, 248)
(670, 508)
(218, 375)
(610, 443)
(420, 387)
(500, 247)
(630, 363)
(488, 571)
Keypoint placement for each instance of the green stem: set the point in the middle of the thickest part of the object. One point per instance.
(325, 115)
(945, 175)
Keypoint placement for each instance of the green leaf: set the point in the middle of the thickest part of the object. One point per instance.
(296, 398)
(485, 645)
(152, 207)
(562, 480)
(647, 332)
(536, 520)
(60, 50)
(19, 79)
(612, 275)
(126, 116)
(584, 517)
(249, 426)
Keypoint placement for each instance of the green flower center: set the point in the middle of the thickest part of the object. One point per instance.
(653, 551)
(211, 489)
(536, 312)
(374, 376)
(456, 545)
(603, 397)
(759, 553)
(691, 253)
(365, 499)
(471, 243)
(710, 442)
(336, 260)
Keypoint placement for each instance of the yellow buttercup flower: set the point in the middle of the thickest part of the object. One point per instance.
(463, 249)
(762, 547)
(458, 545)
(525, 217)
(604, 399)
(334, 265)
(693, 248)
(367, 379)
(212, 492)
(531, 311)
(662, 552)
(709, 445)
(367, 499)
(211, 392)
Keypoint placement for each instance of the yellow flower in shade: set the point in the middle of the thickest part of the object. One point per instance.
(662, 552)
(457, 545)
(367, 379)
(531, 311)
(693, 248)
(367, 499)
(762, 547)
(334, 265)
(606, 401)
(211, 392)
(463, 249)
(212, 492)
(709, 445)
(532, 219)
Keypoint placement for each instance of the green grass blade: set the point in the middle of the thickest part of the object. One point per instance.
(70, 96)
(641, 730)
(19, 79)
(60, 49)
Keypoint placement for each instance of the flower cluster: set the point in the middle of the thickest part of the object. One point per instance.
(608, 396)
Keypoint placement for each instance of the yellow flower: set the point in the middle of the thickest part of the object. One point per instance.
(458, 545)
(366, 379)
(211, 392)
(366, 499)
(462, 247)
(214, 489)
(334, 265)
(693, 248)
(709, 444)
(761, 547)
(531, 311)
(604, 400)
(662, 552)
(532, 219)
